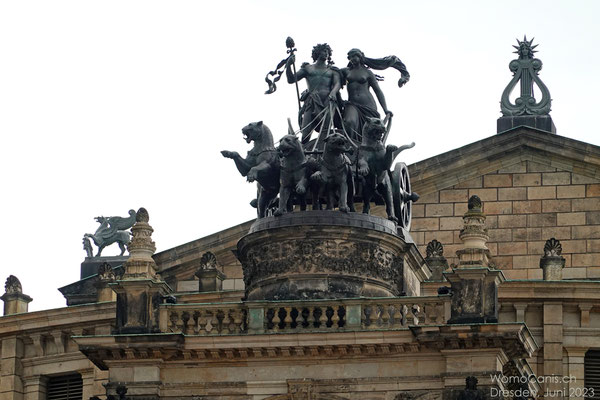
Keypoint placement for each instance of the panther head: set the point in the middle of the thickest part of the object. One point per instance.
(253, 131)
(374, 129)
(336, 143)
(289, 145)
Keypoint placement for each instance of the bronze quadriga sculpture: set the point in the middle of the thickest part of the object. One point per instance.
(321, 253)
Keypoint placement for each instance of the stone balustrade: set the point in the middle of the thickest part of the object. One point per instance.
(304, 316)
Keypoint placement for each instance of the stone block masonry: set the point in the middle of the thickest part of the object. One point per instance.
(526, 204)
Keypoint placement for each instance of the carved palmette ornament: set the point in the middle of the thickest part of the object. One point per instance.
(552, 248)
(13, 285)
(434, 249)
(105, 272)
(208, 261)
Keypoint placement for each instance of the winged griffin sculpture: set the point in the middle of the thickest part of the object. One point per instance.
(111, 230)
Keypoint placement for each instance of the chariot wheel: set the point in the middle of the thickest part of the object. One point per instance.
(403, 195)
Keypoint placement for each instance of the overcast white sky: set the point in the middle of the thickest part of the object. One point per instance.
(112, 105)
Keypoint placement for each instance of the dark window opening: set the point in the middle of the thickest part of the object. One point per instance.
(65, 387)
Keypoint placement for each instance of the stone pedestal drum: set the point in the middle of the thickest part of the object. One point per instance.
(324, 254)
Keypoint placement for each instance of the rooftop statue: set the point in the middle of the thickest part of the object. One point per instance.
(359, 79)
(111, 230)
(349, 161)
(260, 165)
(323, 81)
(525, 69)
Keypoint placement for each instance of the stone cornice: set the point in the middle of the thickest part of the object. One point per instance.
(499, 151)
(96, 313)
(538, 290)
(514, 338)
(102, 350)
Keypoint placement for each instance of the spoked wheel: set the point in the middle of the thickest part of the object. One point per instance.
(403, 195)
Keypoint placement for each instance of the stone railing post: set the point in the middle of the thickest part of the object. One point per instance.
(353, 316)
(474, 282)
(140, 290)
(256, 319)
(15, 302)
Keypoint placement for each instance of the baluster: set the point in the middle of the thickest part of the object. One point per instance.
(211, 321)
(406, 318)
(373, 317)
(276, 320)
(173, 317)
(323, 318)
(179, 323)
(196, 317)
(202, 322)
(187, 326)
(419, 314)
(305, 315)
(225, 322)
(288, 318)
(409, 315)
(385, 315)
(335, 318)
(237, 321)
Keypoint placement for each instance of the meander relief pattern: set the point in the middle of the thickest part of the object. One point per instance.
(321, 256)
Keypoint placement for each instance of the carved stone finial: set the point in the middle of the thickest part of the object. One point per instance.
(434, 249)
(552, 248)
(208, 261)
(209, 277)
(474, 204)
(105, 272)
(435, 260)
(142, 215)
(13, 285)
(474, 234)
(141, 248)
(552, 263)
(15, 301)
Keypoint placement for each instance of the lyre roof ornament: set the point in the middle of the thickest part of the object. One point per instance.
(526, 110)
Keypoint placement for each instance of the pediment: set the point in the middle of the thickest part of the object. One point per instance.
(502, 152)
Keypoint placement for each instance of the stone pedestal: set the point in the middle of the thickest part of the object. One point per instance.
(436, 261)
(552, 263)
(474, 284)
(140, 290)
(541, 122)
(210, 280)
(90, 265)
(15, 301)
(474, 295)
(328, 254)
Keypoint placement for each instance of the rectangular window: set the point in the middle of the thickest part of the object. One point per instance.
(591, 380)
(66, 387)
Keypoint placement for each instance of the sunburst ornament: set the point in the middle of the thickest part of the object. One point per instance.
(525, 48)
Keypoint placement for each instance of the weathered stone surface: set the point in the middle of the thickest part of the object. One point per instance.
(324, 254)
